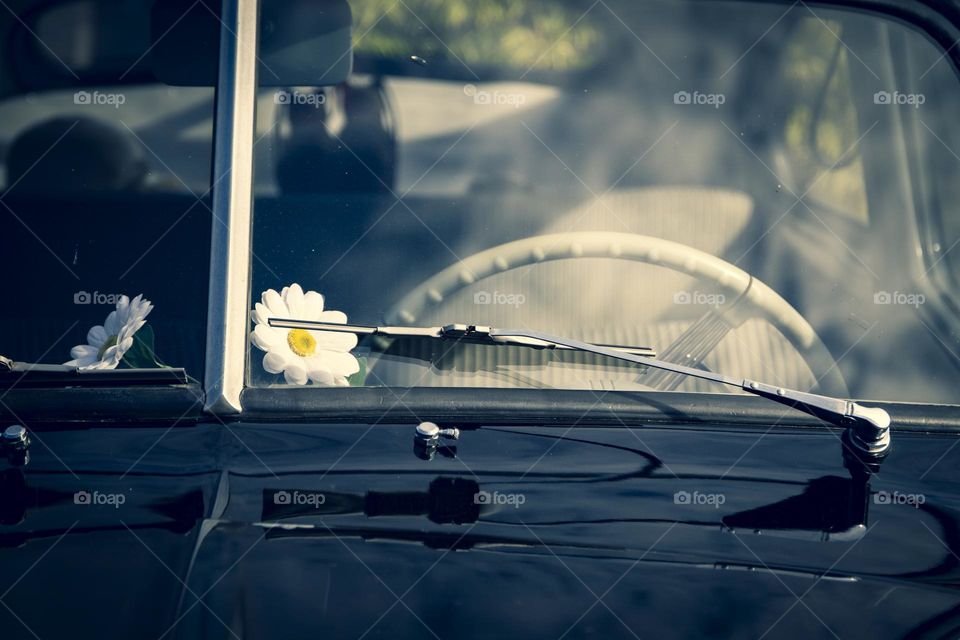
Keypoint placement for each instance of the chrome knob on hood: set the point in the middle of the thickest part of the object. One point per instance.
(15, 436)
(426, 441)
(14, 444)
(430, 431)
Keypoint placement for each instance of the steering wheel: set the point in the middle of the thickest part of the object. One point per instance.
(752, 297)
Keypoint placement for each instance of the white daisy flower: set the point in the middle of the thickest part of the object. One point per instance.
(320, 356)
(107, 343)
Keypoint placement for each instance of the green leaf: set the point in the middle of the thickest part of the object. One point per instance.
(142, 354)
(360, 377)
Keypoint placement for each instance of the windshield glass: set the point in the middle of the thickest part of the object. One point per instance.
(105, 189)
(761, 190)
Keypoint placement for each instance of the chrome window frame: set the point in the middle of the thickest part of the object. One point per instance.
(232, 207)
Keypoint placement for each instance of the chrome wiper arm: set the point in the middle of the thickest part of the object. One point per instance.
(31, 375)
(869, 426)
(471, 334)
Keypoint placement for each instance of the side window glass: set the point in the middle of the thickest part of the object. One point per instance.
(105, 178)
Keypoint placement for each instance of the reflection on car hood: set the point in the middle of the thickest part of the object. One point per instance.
(300, 530)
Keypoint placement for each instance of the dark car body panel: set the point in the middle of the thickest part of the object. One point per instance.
(198, 545)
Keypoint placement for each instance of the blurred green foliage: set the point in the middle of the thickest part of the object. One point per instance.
(822, 129)
(538, 34)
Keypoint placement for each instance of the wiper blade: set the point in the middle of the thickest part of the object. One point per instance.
(470, 334)
(869, 427)
(27, 374)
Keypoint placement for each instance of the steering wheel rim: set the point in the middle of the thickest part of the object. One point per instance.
(736, 283)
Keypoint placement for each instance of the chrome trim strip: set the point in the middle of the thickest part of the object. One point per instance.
(232, 207)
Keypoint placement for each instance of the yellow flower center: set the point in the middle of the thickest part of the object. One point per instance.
(301, 342)
(111, 341)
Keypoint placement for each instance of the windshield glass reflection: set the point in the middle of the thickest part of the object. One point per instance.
(727, 183)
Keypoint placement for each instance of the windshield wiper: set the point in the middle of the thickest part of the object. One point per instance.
(470, 334)
(868, 427)
(27, 374)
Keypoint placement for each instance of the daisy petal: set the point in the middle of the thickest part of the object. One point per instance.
(82, 351)
(275, 304)
(97, 336)
(127, 330)
(335, 317)
(295, 373)
(342, 364)
(260, 313)
(83, 356)
(274, 362)
(294, 300)
(320, 375)
(334, 341)
(140, 308)
(267, 338)
(313, 305)
(112, 323)
(110, 353)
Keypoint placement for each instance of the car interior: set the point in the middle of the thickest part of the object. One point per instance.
(367, 190)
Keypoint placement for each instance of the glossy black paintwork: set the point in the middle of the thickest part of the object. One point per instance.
(197, 545)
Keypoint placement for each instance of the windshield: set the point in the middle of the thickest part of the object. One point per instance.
(760, 190)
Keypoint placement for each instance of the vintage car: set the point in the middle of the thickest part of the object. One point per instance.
(479, 319)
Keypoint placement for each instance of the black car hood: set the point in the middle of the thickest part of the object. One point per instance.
(305, 530)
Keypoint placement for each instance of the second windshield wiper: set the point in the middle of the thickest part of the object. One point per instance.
(869, 427)
(27, 375)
